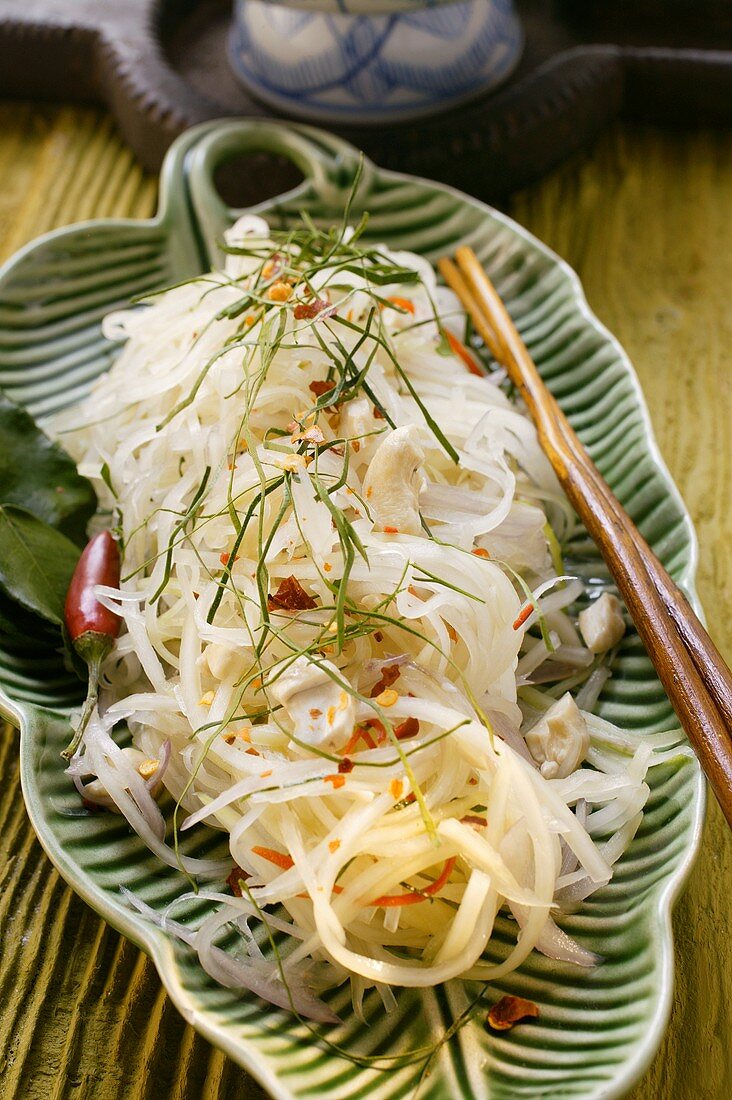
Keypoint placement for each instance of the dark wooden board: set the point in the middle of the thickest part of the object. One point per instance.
(160, 66)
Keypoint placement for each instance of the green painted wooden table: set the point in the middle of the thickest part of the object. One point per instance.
(646, 219)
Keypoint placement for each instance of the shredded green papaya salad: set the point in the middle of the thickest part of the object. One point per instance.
(348, 639)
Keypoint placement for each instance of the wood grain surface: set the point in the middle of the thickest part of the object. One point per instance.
(645, 219)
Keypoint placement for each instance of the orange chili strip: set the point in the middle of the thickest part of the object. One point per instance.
(408, 728)
(360, 734)
(402, 303)
(387, 901)
(278, 858)
(336, 780)
(378, 727)
(459, 349)
(523, 616)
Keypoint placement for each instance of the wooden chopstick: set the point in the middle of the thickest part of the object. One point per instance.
(689, 665)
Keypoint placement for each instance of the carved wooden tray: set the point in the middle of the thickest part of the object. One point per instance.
(160, 66)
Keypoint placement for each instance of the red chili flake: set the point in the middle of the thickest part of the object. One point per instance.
(391, 530)
(523, 616)
(473, 819)
(321, 388)
(290, 596)
(226, 558)
(235, 879)
(408, 728)
(378, 636)
(305, 311)
(389, 673)
(315, 712)
(508, 1011)
(345, 766)
(336, 780)
(378, 414)
(480, 552)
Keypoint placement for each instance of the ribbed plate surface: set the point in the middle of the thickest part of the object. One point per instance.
(597, 1030)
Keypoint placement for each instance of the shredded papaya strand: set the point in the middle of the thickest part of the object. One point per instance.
(462, 352)
(336, 890)
(387, 901)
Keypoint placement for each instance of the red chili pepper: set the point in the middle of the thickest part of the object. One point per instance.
(91, 627)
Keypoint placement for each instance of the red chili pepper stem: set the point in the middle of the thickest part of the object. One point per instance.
(92, 647)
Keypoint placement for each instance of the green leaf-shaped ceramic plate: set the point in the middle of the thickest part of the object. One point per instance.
(598, 1029)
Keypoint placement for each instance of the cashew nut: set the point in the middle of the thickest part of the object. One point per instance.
(224, 662)
(393, 481)
(323, 711)
(602, 624)
(560, 739)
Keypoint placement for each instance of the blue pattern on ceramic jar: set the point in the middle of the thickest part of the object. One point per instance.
(314, 59)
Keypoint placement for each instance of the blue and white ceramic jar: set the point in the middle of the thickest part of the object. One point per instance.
(371, 61)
